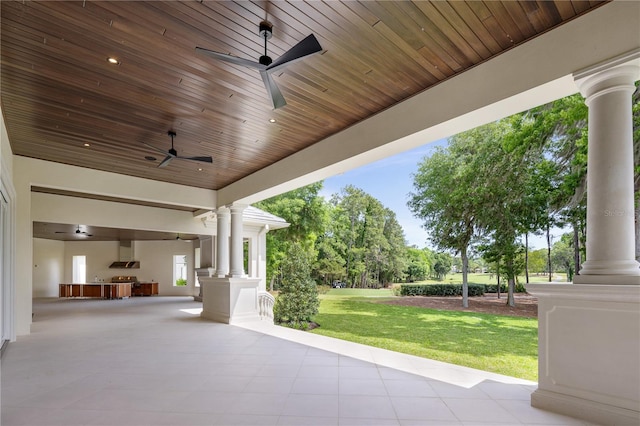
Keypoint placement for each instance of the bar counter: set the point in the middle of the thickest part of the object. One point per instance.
(96, 290)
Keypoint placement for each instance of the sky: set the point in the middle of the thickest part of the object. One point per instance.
(390, 181)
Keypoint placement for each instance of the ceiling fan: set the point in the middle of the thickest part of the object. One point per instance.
(308, 46)
(77, 232)
(172, 153)
(177, 238)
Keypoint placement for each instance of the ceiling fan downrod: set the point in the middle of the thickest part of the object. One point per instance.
(266, 31)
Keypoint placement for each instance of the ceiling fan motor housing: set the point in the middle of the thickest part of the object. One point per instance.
(265, 29)
(265, 60)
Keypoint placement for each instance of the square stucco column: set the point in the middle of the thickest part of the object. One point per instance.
(589, 351)
(230, 300)
(589, 331)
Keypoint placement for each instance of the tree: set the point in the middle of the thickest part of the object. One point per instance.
(538, 261)
(369, 236)
(306, 213)
(562, 255)
(297, 301)
(442, 265)
(558, 131)
(418, 265)
(445, 198)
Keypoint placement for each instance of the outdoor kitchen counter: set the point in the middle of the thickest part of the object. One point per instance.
(144, 289)
(96, 290)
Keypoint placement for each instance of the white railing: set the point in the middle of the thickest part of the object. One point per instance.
(265, 305)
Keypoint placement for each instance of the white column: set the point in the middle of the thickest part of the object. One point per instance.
(588, 331)
(222, 241)
(237, 260)
(261, 259)
(610, 194)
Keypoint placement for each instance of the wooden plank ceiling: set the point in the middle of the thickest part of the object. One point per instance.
(59, 92)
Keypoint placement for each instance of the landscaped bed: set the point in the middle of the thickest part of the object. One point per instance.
(526, 306)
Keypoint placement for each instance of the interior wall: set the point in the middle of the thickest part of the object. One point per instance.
(156, 264)
(100, 254)
(155, 257)
(48, 267)
(8, 238)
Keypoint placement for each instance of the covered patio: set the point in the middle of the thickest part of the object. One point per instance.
(74, 139)
(157, 362)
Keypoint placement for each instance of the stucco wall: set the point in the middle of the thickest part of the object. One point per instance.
(48, 267)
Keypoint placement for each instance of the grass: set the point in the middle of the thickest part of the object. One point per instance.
(496, 343)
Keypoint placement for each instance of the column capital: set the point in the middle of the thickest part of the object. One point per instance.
(237, 208)
(619, 73)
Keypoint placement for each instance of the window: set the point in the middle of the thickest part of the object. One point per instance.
(180, 270)
(79, 269)
(196, 264)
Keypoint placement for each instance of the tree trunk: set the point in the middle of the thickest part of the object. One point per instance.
(576, 250)
(511, 285)
(465, 283)
(511, 301)
(498, 275)
(273, 279)
(526, 257)
(549, 252)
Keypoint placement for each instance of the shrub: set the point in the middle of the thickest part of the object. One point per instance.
(439, 289)
(493, 288)
(323, 289)
(297, 300)
(181, 282)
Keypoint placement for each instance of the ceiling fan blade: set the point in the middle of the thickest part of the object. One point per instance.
(201, 159)
(155, 148)
(274, 92)
(306, 47)
(231, 59)
(166, 161)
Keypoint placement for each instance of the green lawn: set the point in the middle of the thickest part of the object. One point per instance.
(501, 344)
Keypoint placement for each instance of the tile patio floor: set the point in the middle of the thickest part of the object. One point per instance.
(153, 361)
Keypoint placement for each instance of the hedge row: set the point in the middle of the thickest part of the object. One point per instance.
(493, 288)
(452, 289)
(439, 290)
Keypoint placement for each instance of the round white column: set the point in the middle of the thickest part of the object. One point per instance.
(237, 258)
(222, 242)
(610, 197)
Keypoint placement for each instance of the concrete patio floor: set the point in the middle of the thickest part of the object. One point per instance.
(154, 361)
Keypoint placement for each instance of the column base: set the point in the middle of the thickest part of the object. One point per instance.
(230, 300)
(609, 279)
(610, 269)
(592, 411)
(588, 351)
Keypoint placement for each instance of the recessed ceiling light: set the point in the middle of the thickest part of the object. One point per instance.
(86, 144)
(199, 169)
(272, 120)
(113, 60)
(150, 158)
